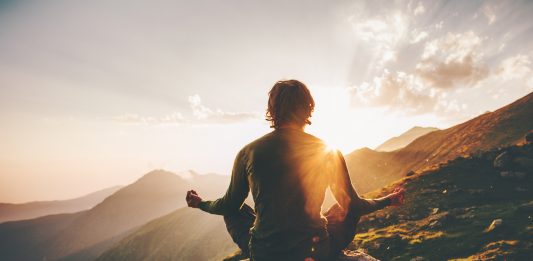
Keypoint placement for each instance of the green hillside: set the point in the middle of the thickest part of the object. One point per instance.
(449, 209)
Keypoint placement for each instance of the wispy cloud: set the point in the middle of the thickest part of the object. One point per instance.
(200, 114)
(514, 67)
(384, 33)
(490, 13)
(419, 9)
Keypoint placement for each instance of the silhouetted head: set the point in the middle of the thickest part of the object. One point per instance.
(289, 103)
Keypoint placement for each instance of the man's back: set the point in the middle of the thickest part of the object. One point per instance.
(288, 176)
(288, 172)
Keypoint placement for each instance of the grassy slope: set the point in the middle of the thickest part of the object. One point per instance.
(469, 195)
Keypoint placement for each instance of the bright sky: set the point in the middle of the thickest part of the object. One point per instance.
(97, 93)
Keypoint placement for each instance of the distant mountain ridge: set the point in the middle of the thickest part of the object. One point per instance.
(84, 235)
(508, 125)
(12, 212)
(405, 138)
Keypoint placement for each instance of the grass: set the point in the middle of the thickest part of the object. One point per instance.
(447, 211)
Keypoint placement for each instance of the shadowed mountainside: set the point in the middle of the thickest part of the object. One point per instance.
(371, 169)
(176, 236)
(12, 212)
(477, 207)
(405, 138)
(84, 235)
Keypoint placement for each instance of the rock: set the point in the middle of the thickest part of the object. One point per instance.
(475, 191)
(527, 207)
(418, 258)
(434, 211)
(437, 220)
(236, 256)
(502, 161)
(435, 224)
(513, 174)
(410, 173)
(351, 255)
(529, 137)
(495, 224)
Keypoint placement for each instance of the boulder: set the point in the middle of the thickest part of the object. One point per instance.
(351, 255)
(526, 207)
(513, 174)
(495, 224)
(503, 160)
(529, 137)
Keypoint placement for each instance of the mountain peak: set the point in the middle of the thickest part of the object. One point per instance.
(405, 138)
(158, 174)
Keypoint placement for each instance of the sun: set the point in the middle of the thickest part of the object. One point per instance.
(332, 110)
(343, 127)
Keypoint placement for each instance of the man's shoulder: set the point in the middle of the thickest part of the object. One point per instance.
(275, 137)
(253, 144)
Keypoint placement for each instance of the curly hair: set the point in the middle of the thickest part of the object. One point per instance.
(289, 101)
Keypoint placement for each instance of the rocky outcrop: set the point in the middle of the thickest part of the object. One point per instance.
(503, 161)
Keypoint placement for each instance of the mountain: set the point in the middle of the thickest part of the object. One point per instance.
(185, 234)
(90, 232)
(508, 125)
(11, 212)
(405, 138)
(24, 240)
(477, 207)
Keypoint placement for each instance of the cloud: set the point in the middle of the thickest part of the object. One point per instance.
(418, 36)
(490, 14)
(514, 67)
(439, 25)
(200, 115)
(175, 118)
(451, 60)
(395, 91)
(383, 33)
(405, 93)
(205, 114)
(419, 10)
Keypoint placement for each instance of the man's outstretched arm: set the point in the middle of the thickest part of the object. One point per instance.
(235, 195)
(346, 195)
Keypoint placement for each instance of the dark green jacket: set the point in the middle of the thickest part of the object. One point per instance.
(288, 172)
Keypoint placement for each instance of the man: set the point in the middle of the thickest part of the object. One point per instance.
(288, 172)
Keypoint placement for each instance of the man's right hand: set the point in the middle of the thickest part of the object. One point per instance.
(192, 198)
